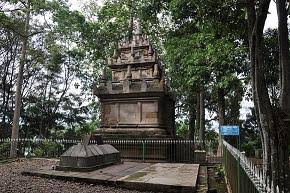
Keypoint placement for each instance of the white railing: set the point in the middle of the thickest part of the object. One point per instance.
(257, 176)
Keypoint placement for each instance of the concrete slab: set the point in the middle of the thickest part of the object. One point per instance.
(160, 177)
(166, 177)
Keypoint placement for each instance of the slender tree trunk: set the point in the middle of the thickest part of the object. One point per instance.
(284, 112)
(284, 56)
(197, 124)
(251, 12)
(264, 108)
(192, 118)
(221, 115)
(202, 117)
(16, 117)
(221, 106)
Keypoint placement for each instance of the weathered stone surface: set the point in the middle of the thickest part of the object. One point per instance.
(165, 177)
(88, 157)
(161, 177)
(137, 101)
(200, 156)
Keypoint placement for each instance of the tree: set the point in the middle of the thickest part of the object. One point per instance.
(272, 121)
(15, 125)
(205, 56)
(53, 71)
(10, 48)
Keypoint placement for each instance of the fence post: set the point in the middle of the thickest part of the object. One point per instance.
(143, 150)
(239, 164)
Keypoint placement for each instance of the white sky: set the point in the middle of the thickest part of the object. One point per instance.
(272, 19)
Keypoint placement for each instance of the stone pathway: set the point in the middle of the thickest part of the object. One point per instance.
(167, 177)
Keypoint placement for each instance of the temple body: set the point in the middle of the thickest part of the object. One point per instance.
(137, 101)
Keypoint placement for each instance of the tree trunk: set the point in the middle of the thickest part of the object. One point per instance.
(221, 115)
(282, 119)
(192, 118)
(197, 124)
(202, 117)
(251, 12)
(15, 125)
(284, 56)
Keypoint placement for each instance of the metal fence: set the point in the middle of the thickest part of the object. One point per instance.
(36, 147)
(151, 150)
(243, 176)
(167, 150)
(146, 150)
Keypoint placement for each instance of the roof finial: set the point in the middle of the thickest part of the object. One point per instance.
(104, 75)
(131, 21)
(138, 28)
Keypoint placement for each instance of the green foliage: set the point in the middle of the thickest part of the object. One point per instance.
(220, 171)
(250, 135)
(4, 149)
(38, 152)
(182, 130)
(86, 128)
(212, 141)
(47, 149)
(202, 44)
(272, 71)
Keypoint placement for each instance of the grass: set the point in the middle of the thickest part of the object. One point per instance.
(216, 180)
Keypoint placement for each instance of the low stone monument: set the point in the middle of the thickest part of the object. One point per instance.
(88, 157)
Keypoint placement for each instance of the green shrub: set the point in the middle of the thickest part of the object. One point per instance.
(38, 152)
(47, 149)
(4, 149)
(51, 148)
(220, 171)
(181, 130)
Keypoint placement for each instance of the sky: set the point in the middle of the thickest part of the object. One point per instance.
(272, 19)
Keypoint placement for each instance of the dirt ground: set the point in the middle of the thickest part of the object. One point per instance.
(12, 181)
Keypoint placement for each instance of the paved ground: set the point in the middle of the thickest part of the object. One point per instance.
(133, 175)
(108, 175)
(165, 176)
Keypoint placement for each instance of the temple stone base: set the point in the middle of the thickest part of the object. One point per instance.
(160, 177)
(128, 133)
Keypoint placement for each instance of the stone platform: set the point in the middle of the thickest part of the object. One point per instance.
(159, 177)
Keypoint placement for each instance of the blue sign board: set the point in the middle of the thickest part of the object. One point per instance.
(230, 130)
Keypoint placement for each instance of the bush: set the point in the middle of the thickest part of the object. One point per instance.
(4, 150)
(181, 130)
(48, 149)
(220, 172)
(38, 152)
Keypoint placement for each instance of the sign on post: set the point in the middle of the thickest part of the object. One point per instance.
(229, 130)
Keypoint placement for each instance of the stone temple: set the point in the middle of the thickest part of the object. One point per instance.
(137, 100)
